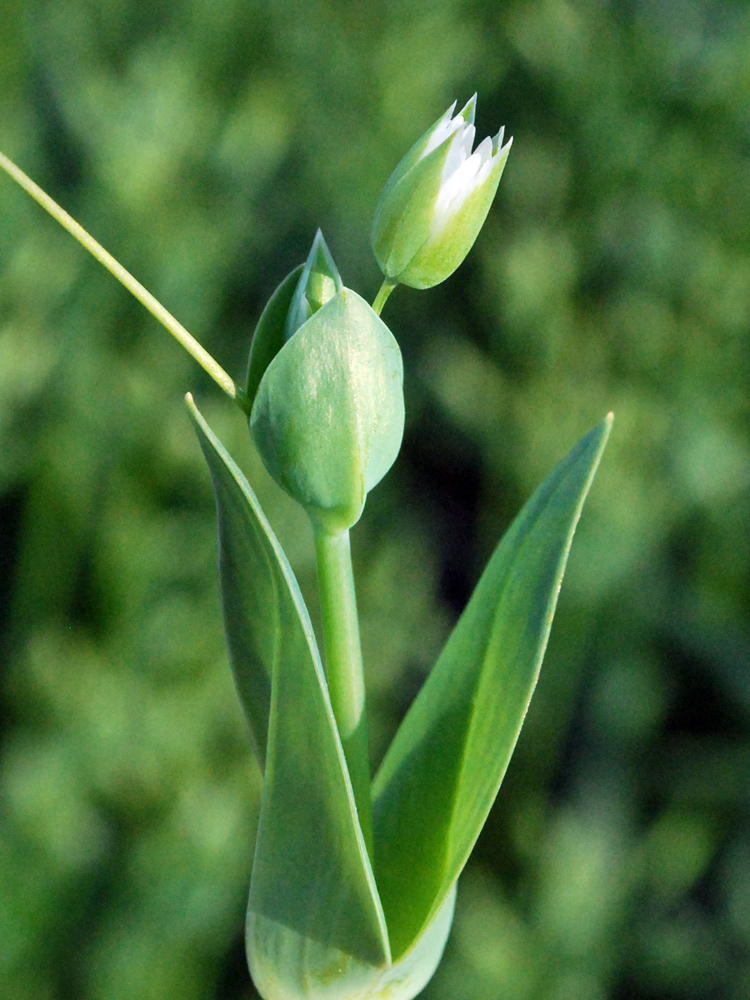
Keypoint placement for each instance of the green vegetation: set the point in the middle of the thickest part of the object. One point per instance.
(203, 144)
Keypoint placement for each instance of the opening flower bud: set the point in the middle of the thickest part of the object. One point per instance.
(327, 385)
(319, 282)
(296, 299)
(436, 201)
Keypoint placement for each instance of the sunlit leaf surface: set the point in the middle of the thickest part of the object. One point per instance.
(442, 772)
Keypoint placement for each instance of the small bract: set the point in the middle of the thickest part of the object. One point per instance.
(436, 201)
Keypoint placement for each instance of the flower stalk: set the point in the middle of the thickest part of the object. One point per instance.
(343, 664)
(382, 297)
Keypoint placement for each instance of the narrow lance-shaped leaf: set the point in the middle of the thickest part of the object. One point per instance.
(443, 770)
(247, 577)
(314, 915)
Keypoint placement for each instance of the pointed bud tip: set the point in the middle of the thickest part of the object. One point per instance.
(497, 141)
(500, 151)
(318, 243)
(468, 111)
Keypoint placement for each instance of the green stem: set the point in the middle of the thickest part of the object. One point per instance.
(346, 684)
(380, 299)
(145, 297)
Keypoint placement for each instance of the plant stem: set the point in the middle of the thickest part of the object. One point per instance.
(145, 297)
(380, 299)
(346, 684)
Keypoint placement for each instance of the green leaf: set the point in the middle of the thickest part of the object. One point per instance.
(314, 914)
(248, 553)
(268, 338)
(443, 770)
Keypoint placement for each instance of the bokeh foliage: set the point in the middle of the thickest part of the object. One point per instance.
(203, 143)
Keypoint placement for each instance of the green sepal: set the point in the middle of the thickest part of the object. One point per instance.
(328, 417)
(415, 154)
(300, 294)
(268, 338)
(441, 774)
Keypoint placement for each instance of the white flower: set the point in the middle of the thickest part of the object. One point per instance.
(437, 199)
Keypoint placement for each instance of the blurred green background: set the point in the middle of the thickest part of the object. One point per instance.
(203, 143)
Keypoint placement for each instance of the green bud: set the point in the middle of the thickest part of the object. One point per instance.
(436, 201)
(328, 413)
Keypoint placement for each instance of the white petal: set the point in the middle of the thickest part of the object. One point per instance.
(445, 128)
(459, 151)
(484, 172)
(484, 150)
(468, 139)
(455, 191)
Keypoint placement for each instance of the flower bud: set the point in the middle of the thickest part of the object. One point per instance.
(436, 201)
(328, 410)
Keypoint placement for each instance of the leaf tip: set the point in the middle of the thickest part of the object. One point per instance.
(606, 426)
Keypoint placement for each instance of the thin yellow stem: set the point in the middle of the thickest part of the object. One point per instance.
(145, 297)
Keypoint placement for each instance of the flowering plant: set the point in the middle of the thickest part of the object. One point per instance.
(354, 881)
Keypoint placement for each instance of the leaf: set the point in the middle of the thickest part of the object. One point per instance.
(443, 770)
(248, 552)
(313, 900)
